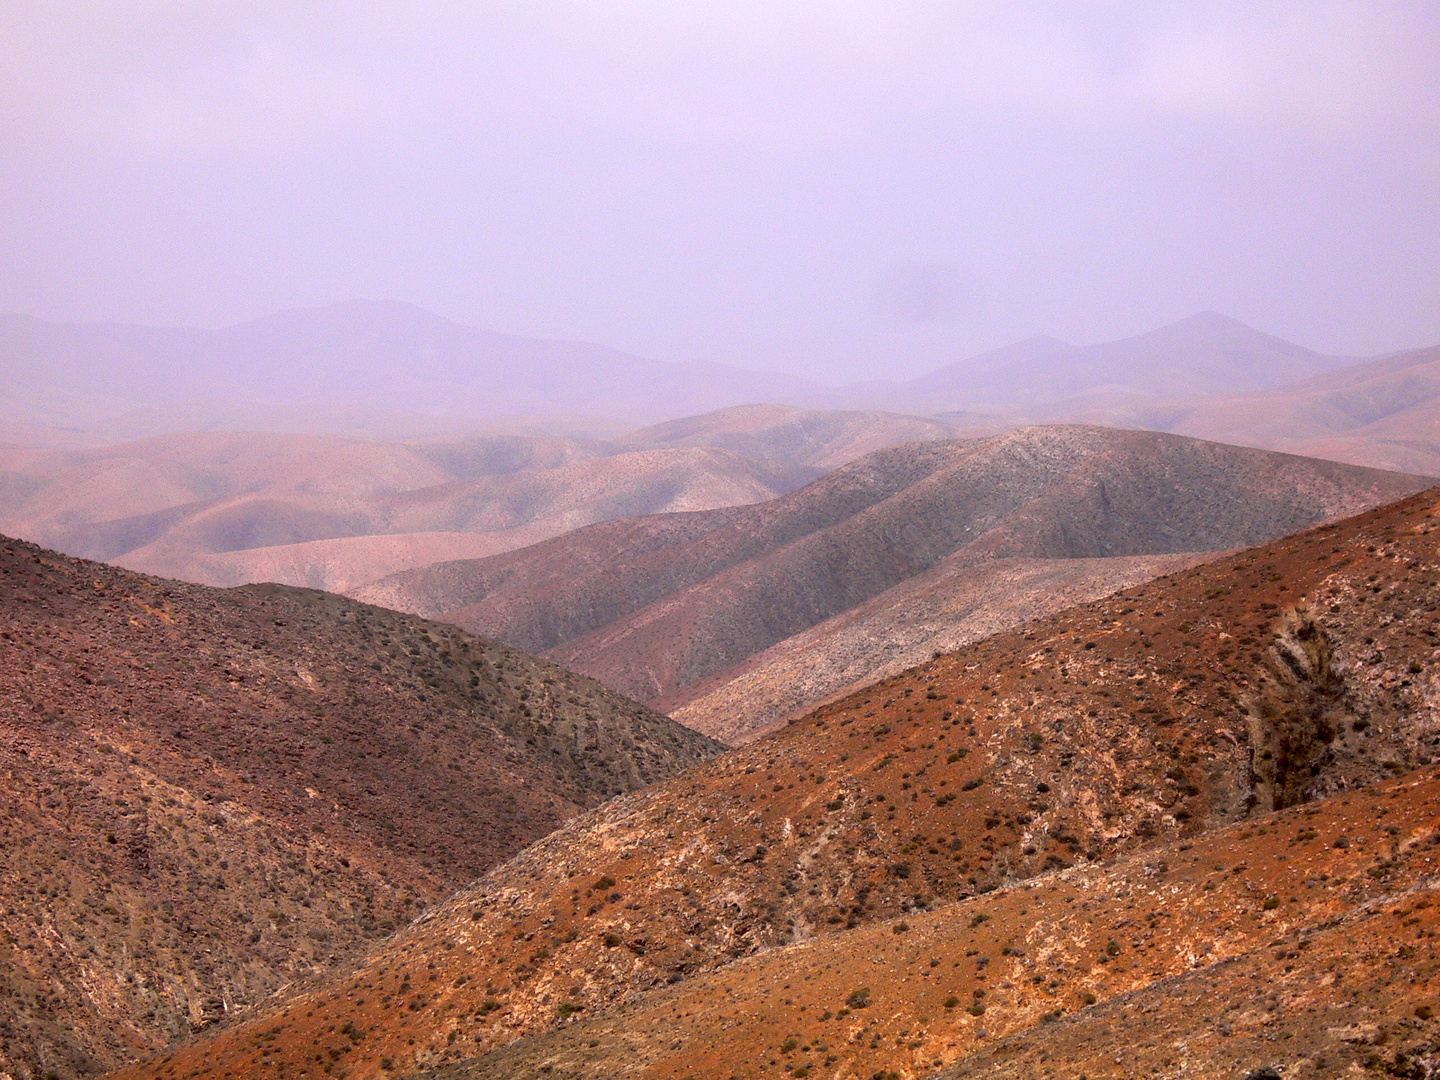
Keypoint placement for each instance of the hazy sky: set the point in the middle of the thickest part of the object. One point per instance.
(843, 189)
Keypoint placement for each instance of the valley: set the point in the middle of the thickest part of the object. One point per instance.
(656, 606)
(995, 748)
(1232, 765)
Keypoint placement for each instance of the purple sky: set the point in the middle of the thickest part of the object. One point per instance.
(843, 189)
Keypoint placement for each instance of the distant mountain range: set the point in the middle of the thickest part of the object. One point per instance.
(393, 369)
(1203, 355)
(361, 366)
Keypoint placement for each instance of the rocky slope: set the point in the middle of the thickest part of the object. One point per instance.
(1275, 944)
(209, 794)
(656, 605)
(788, 875)
(934, 612)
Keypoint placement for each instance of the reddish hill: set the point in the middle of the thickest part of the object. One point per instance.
(934, 612)
(656, 605)
(1255, 684)
(1382, 412)
(209, 794)
(1256, 946)
(312, 510)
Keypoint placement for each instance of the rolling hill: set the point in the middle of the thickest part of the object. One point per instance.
(1198, 357)
(209, 794)
(817, 439)
(1220, 782)
(335, 513)
(1383, 412)
(653, 606)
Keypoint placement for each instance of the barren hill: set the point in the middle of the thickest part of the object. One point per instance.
(819, 439)
(1259, 945)
(209, 794)
(858, 890)
(335, 513)
(1382, 412)
(934, 612)
(653, 606)
(1203, 355)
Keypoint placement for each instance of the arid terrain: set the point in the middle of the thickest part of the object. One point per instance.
(336, 513)
(1205, 804)
(232, 490)
(655, 606)
(210, 794)
(1383, 412)
(934, 612)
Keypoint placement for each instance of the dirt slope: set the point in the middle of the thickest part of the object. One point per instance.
(938, 611)
(1261, 945)
(1259, 682)
(653, 606)
(208, 794)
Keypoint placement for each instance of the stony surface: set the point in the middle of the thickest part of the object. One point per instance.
(1258, 946)
(1093, 755)
(957, 602)
(206, 795)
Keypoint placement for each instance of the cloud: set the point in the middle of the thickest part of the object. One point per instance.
(261, 76)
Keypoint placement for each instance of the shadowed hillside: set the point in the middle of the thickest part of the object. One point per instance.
(209, 794)
(792, 901)
(653, 606)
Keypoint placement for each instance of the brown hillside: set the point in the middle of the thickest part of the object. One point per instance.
(951, 605)
(1256, 682)
(1256, 946)
(207, 794)
(654, 606)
